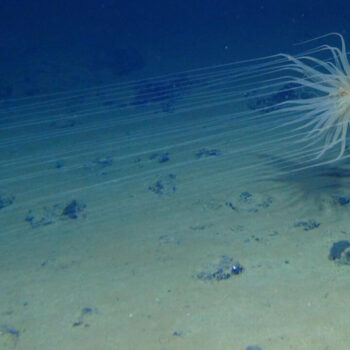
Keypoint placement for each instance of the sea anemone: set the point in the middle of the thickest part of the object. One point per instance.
(328, 113)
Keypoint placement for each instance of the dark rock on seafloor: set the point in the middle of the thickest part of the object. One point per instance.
(340, 252)
(222, 270)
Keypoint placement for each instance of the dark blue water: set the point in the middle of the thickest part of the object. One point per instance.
(127, 37)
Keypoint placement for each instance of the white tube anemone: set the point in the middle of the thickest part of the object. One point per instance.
(327, 115)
